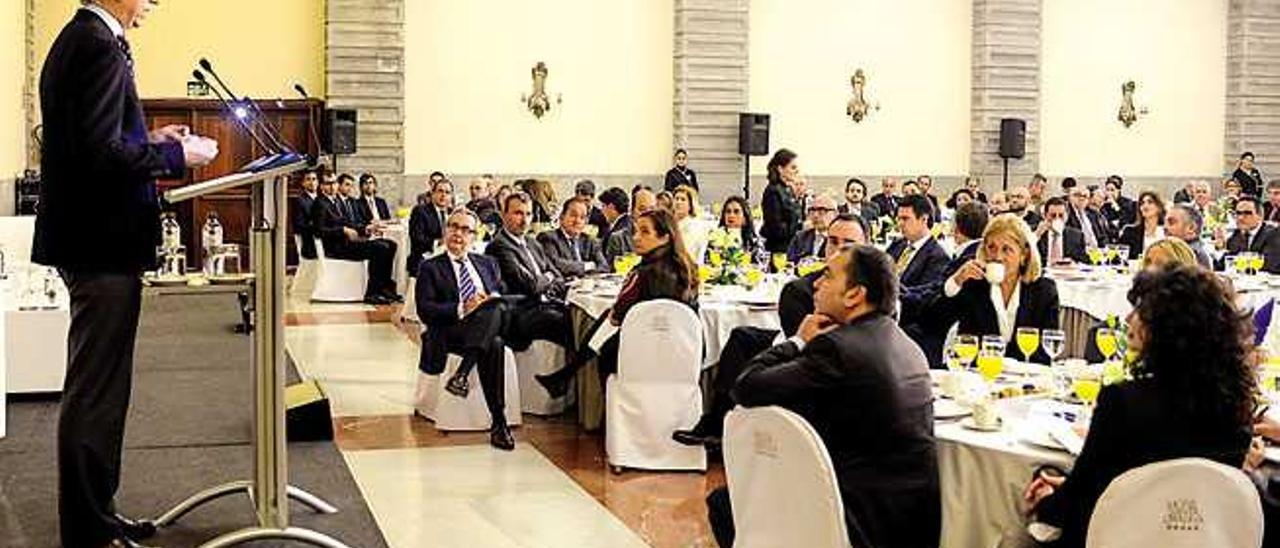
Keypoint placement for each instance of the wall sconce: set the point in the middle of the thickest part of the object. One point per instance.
(1128, 114)
(858, 106)
(538, 101)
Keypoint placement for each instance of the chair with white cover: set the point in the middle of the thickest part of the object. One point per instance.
(1178, 503)
(541, 358)
(409, 312)
(338, 280)
(451, 413)
(655, 391)
(304, 278)
(782, 484)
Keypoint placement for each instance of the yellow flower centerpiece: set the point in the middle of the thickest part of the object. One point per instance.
(728, 263)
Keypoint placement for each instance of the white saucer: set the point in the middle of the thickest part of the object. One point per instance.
(968, 423)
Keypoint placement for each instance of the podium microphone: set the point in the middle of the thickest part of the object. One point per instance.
(311, 121)
(301, 90)
(258, 116)
(237, 113)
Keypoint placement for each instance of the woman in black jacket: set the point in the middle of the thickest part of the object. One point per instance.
(665, 272)
(782, 202)
(736, 215)
(1192, 395)
(1149, 228)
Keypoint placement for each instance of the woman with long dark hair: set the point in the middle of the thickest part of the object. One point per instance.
(1192, 395)
(735, 215)
(1149, 227)
(782, 202)
(665, 272)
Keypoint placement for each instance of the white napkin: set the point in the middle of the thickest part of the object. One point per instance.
(1061, 431)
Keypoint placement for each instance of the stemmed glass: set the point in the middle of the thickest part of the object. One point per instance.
(991, 358)
(1054, 341)
(1105, 338)
(966, 347)
(1028, 339)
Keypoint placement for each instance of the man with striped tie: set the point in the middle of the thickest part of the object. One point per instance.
(457, 300)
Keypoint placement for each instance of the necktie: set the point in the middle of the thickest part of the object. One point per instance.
(342, 208)
(466, 286)
(1055, 247)
(533, 262)
(577, 253)
(1090, 239)
(905, 259)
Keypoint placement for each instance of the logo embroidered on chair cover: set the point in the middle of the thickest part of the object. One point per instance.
(1182, 515)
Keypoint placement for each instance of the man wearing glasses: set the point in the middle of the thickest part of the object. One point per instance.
(809, 242)
(1252, 235)
(457, 300)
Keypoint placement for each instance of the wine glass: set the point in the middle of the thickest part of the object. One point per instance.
(1054, 341)
(1095, 255)
(1028, 339)
(966, 347)
(991, 357)
(1255, 263)
(1122, 252)
(779, 262)
(1086, 384)
(1105, 338)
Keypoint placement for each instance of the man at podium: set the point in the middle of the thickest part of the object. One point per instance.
(98, 223)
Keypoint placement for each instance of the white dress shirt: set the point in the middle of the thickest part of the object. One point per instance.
(1006, 314)
(475, 278)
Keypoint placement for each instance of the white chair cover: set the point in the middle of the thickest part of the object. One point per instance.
(409, 312)
(541, 358)
(451, 413)
(655, 391)
(1178, 503)
(781, 481)
(339, 281)
(304, 278)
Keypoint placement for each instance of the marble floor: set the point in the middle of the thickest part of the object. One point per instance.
(427, 488)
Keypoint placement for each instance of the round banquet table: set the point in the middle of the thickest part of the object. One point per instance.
(1101, 294)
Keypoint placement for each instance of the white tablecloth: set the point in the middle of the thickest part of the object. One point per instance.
(722, 308)
(1106, 294)
(399, 234)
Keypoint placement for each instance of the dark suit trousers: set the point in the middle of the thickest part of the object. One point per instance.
(478, 340)
(720, 515)
(380, 253)
(538, 321)
(95, 401)
(744, 344)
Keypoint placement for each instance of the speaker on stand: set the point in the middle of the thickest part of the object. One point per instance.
(753, 140)
(1013, 142)
(338, 133)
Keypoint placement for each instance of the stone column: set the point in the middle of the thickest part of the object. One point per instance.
(1006, 84)
(1253, 84)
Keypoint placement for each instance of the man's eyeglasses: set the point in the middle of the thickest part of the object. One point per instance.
(821, 209)
(455, 227)
(1245, 213)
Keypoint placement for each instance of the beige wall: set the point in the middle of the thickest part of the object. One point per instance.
(1174, 49)
(916, 57)
(260, 46)
(467, 64)
(13, 65)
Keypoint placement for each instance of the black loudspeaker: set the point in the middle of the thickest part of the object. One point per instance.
(338, 135)
(307, 416)
(1013, 138)
(753, 134)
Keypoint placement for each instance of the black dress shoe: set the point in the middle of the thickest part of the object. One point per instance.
(695, 438)
(557, 385)
(125, 542)
(376, 300)
(457, 385)
(500, 437)
(136, 529)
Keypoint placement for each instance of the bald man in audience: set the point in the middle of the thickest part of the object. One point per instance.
(1020, 205)
(794, 303)
(809, 242)
(1183, 222)
(887, 199)
(621, 242)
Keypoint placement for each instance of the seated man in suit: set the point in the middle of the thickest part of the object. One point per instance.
(1254, 235)
(887, 200)
(1057, 240)
(570, 249)
(620, 241)
(426, 223)
(457, 299)
(970, 222)
(343, 239)
(1091, 224)
(482, 201)
(615, 205)
(795, 302)
(808, 242)
(300, 213)
(1183, 222)
(864, 386)
(920, 263)
(426, 197)
(586, 190)
(349, 195)
(1020, 205)
(372, 208)
(528, 273)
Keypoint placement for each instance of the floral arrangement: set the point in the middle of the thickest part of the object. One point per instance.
(1118, 371)
(728, 263)
(882, 227)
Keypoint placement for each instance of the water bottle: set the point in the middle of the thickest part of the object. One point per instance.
(171, 232)
(211, 244)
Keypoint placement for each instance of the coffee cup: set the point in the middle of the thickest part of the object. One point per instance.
(951, 383)
(995, 272)
(985, 414)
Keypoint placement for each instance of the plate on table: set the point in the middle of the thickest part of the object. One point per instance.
(230, 279)
(944, 409)
(969, 424)
(167, 281)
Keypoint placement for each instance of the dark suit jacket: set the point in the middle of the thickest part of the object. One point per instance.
(518, 272)
(300, 211)
(972, 308)
(621, 242)
(1270, 213)
(865, 389)
(1266, 242)
(623, 223)
(329, 221)
(782, 217)
(1072, 245)
(927, 331)
(802, 245)
(868, 211)
(1032, 217)
(98, 209)
(1101, 230)
(596, 218)
(1135, 423)
(927, 268)
(796, 302)
(674, 179)
(437, 299)
(1124, 211)
(1250, 182)
(424, 229)
(366, 214)
(887, 205)
(559, 251)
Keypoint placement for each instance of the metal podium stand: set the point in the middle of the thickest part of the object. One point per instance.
(269, 490)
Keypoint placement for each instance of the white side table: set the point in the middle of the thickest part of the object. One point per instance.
(35, 349)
